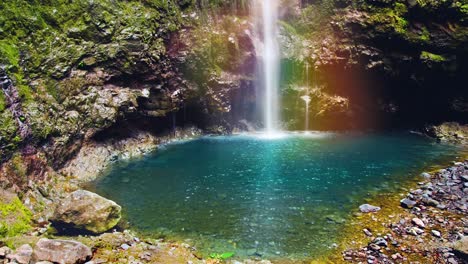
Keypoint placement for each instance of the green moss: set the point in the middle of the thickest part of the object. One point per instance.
(9, 54)
(464, 9)
(8, 132)
(2, 102)
(388, 19)
(400, 9)
(15, 218)
(425, 55)
(425, 35)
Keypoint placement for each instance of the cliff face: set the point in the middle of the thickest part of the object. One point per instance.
(78, 67)
(395, 63)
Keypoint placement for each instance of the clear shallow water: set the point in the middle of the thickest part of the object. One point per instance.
(253, 196)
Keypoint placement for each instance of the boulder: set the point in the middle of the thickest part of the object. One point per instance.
(61, 251)
(22, 255)
(84, 210)
(460, 247)
(4, 251)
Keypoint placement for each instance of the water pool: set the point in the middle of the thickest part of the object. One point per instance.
(271, 198)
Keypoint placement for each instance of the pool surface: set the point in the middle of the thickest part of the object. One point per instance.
(269, 198)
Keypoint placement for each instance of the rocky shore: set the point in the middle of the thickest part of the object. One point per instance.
(432, 228)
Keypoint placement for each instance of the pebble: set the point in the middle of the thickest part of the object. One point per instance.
(374, 247)
(125, 246)
(380, 241)
(415, 231)
(418, 222)
(367, 232)
(435, 233)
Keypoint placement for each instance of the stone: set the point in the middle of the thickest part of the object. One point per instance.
(436, 233)
(430, 202)
(4, 251)
(380, 241)
(418, 222)
(87, 211)
(367, 208)
(407, 203)
(61, 251)
(425, 175)
(22, 255)
(461, 246)
(374, 247)
(415, 231)
(125, 246)
(452, 261)
(367, 232)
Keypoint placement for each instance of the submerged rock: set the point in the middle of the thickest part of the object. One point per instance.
(84, 210)
(367, 208)
(61, 251)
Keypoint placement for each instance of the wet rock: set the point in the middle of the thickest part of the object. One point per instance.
(84, 210)
(367, 208)
(22, 255)
(61, 251)
(407, 203)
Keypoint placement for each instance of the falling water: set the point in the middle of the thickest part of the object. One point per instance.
(267, 10)
(306, 99)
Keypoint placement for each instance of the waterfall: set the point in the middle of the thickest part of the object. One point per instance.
(267, 23)
(306, 98)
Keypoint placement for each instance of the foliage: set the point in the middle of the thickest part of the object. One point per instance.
(222, 256)
(2, 102)
(390, 19)
(15, 218)
(425, 55)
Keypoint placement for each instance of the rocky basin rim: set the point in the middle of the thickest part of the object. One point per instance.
(118, 241)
